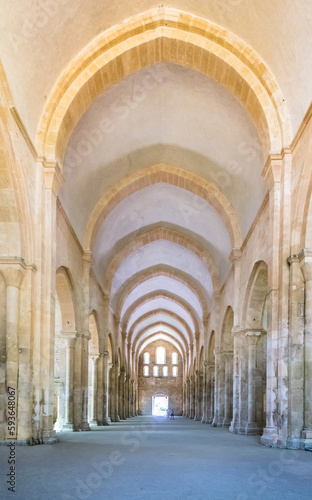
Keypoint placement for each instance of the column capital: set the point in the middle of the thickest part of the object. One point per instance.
(228, 353)
(253, 335)
(53, 177)
(235, 255)
(237, 331)
(94, 356)
(272, 170)
(105, 354)
(70, 338)
(292, 259)
(305, 260)
(13, 275)
(84, 335)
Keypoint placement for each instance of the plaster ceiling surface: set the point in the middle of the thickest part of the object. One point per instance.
(160, 336)
(160, 318)
(167, 253)
(39, 38)
(163, 205)
(186, 119)
(163, 283)
(161, 303)
(154, 330)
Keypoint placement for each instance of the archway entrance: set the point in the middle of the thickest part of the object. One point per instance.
(160, 405)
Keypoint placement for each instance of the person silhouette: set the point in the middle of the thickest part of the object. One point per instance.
(172, 414)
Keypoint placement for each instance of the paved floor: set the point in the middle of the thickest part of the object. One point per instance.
(151, 458)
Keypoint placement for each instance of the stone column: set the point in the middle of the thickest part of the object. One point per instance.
(197, 395)
(192, 397)
(296, 354)
(272, 175)
(221, 389)
(236, 363)
(114, 393)
(105, 420)
(82, 342)
(127, 394)
(205, 393)
(70, 338)
(121, 407)
(187, 398)
(13, 277)
(99, 392)
(243, 385)
(228, 389)
(252, 338)
(212, 392)
(94, 388)
(216, 415)
(305, 259)
(52, 182)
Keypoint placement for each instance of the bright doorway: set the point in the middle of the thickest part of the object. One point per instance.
(160, 405)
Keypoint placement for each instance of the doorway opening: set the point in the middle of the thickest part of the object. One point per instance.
(160, 405)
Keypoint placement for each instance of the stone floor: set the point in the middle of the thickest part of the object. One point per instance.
(150, 458)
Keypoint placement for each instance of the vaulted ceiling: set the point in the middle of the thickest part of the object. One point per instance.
(162, 166)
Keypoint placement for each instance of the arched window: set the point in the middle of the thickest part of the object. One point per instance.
(165, 371)
(146, 371)
(174, 359)
(156, 371)
(160, 356)
(146, 358)
(175, 371)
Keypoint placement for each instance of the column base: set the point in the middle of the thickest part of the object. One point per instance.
(269, 437)
(306, 440)
(93, 423)
(68, 428)
(252, 429)
(233, 427)
(226, 423)
(49, 437)
(106, 421)
(293, 443)
(84, 427)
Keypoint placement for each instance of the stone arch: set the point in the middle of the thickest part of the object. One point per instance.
(167, 235)
(94, 347)
(155, 295)
(226, 341)
(255, 297)
(160, 325)
(201, 358)
(302, 202)
(17, 238)
(211, 347)
(110, 349)
(94, 351)
(64, 290)
(168, 35)
(170, 175)
(306, 236)
(155, 313)
(65, 333)
(160, 270)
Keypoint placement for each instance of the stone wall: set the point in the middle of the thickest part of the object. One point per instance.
(166, 386)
